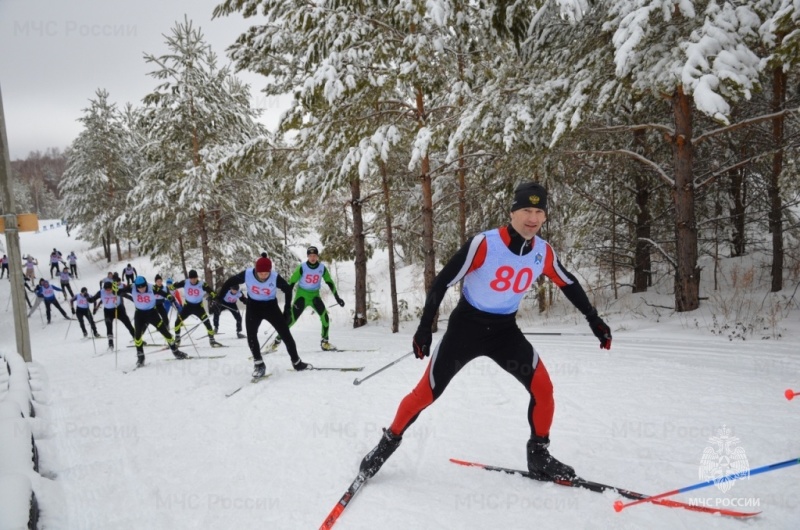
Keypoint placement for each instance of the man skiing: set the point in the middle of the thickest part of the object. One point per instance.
(4, 267)
(55, 262)
(129, 273)
(194, 292)
(64, 276)
(176, 301)
(82, 301)
(308, 276)
(113, 308)
(497, 266)
(262, 292)
(73, 264)
(30, 263)
(146, 313)
(228, 302)
(48, 294)
(162, 294)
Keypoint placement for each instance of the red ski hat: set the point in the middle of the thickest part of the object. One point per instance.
(263, 265)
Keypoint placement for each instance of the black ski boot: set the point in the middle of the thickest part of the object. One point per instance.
(299, 365)
(240, 335)
(259, 370)
(178, 354)
(375, 458)
(541, 463)
(139, 360)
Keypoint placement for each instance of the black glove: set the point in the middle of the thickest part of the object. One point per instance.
(213, 305)
(600, 329)
(422, 343)
(339, 300)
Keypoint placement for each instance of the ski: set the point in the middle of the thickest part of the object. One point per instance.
(133, 369)
(254, 381)
(600, 488)
(336, 368)
(147, 345)
(348, 350)
(193, 357)
(219, 345)
(343, 502)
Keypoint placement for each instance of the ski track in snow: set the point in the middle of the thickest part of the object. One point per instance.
(162, 448)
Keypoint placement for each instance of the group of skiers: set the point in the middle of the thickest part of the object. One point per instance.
(153, 302)
(497, 268)
(31, 264)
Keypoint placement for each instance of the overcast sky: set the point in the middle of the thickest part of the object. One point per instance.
(54, 55)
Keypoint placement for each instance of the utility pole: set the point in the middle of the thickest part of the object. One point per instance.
(12, 239)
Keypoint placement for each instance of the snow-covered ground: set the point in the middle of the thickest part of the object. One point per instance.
(163, 448)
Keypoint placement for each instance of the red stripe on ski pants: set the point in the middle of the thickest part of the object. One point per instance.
(466, 339)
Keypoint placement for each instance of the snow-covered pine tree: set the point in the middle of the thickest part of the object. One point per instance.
(97, 178)
(366, 77)
(202, 132)
(696, 55)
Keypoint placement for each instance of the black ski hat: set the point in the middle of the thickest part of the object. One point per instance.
(107, 285)
(529, 195)
(312, 250)
(158, 277)
(192, 273)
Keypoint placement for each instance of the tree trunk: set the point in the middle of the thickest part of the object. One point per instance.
(736, 192)
(107, 246)
(541, 294)
(360, 313)
(775, 203)
(642, 271)
(614, 239)
(182, 252)
(387, 206)
(462, 196)
(120, 257)
(203, 229)
(687, 273)
(428, 250)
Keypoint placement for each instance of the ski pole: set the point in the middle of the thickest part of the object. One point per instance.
(266, 341)
(359, 381)
(189, 336)
(68, 326)
(619, 505)
(790, 394)
(551, 333)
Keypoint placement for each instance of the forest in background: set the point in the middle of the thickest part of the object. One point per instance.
(665, 131)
